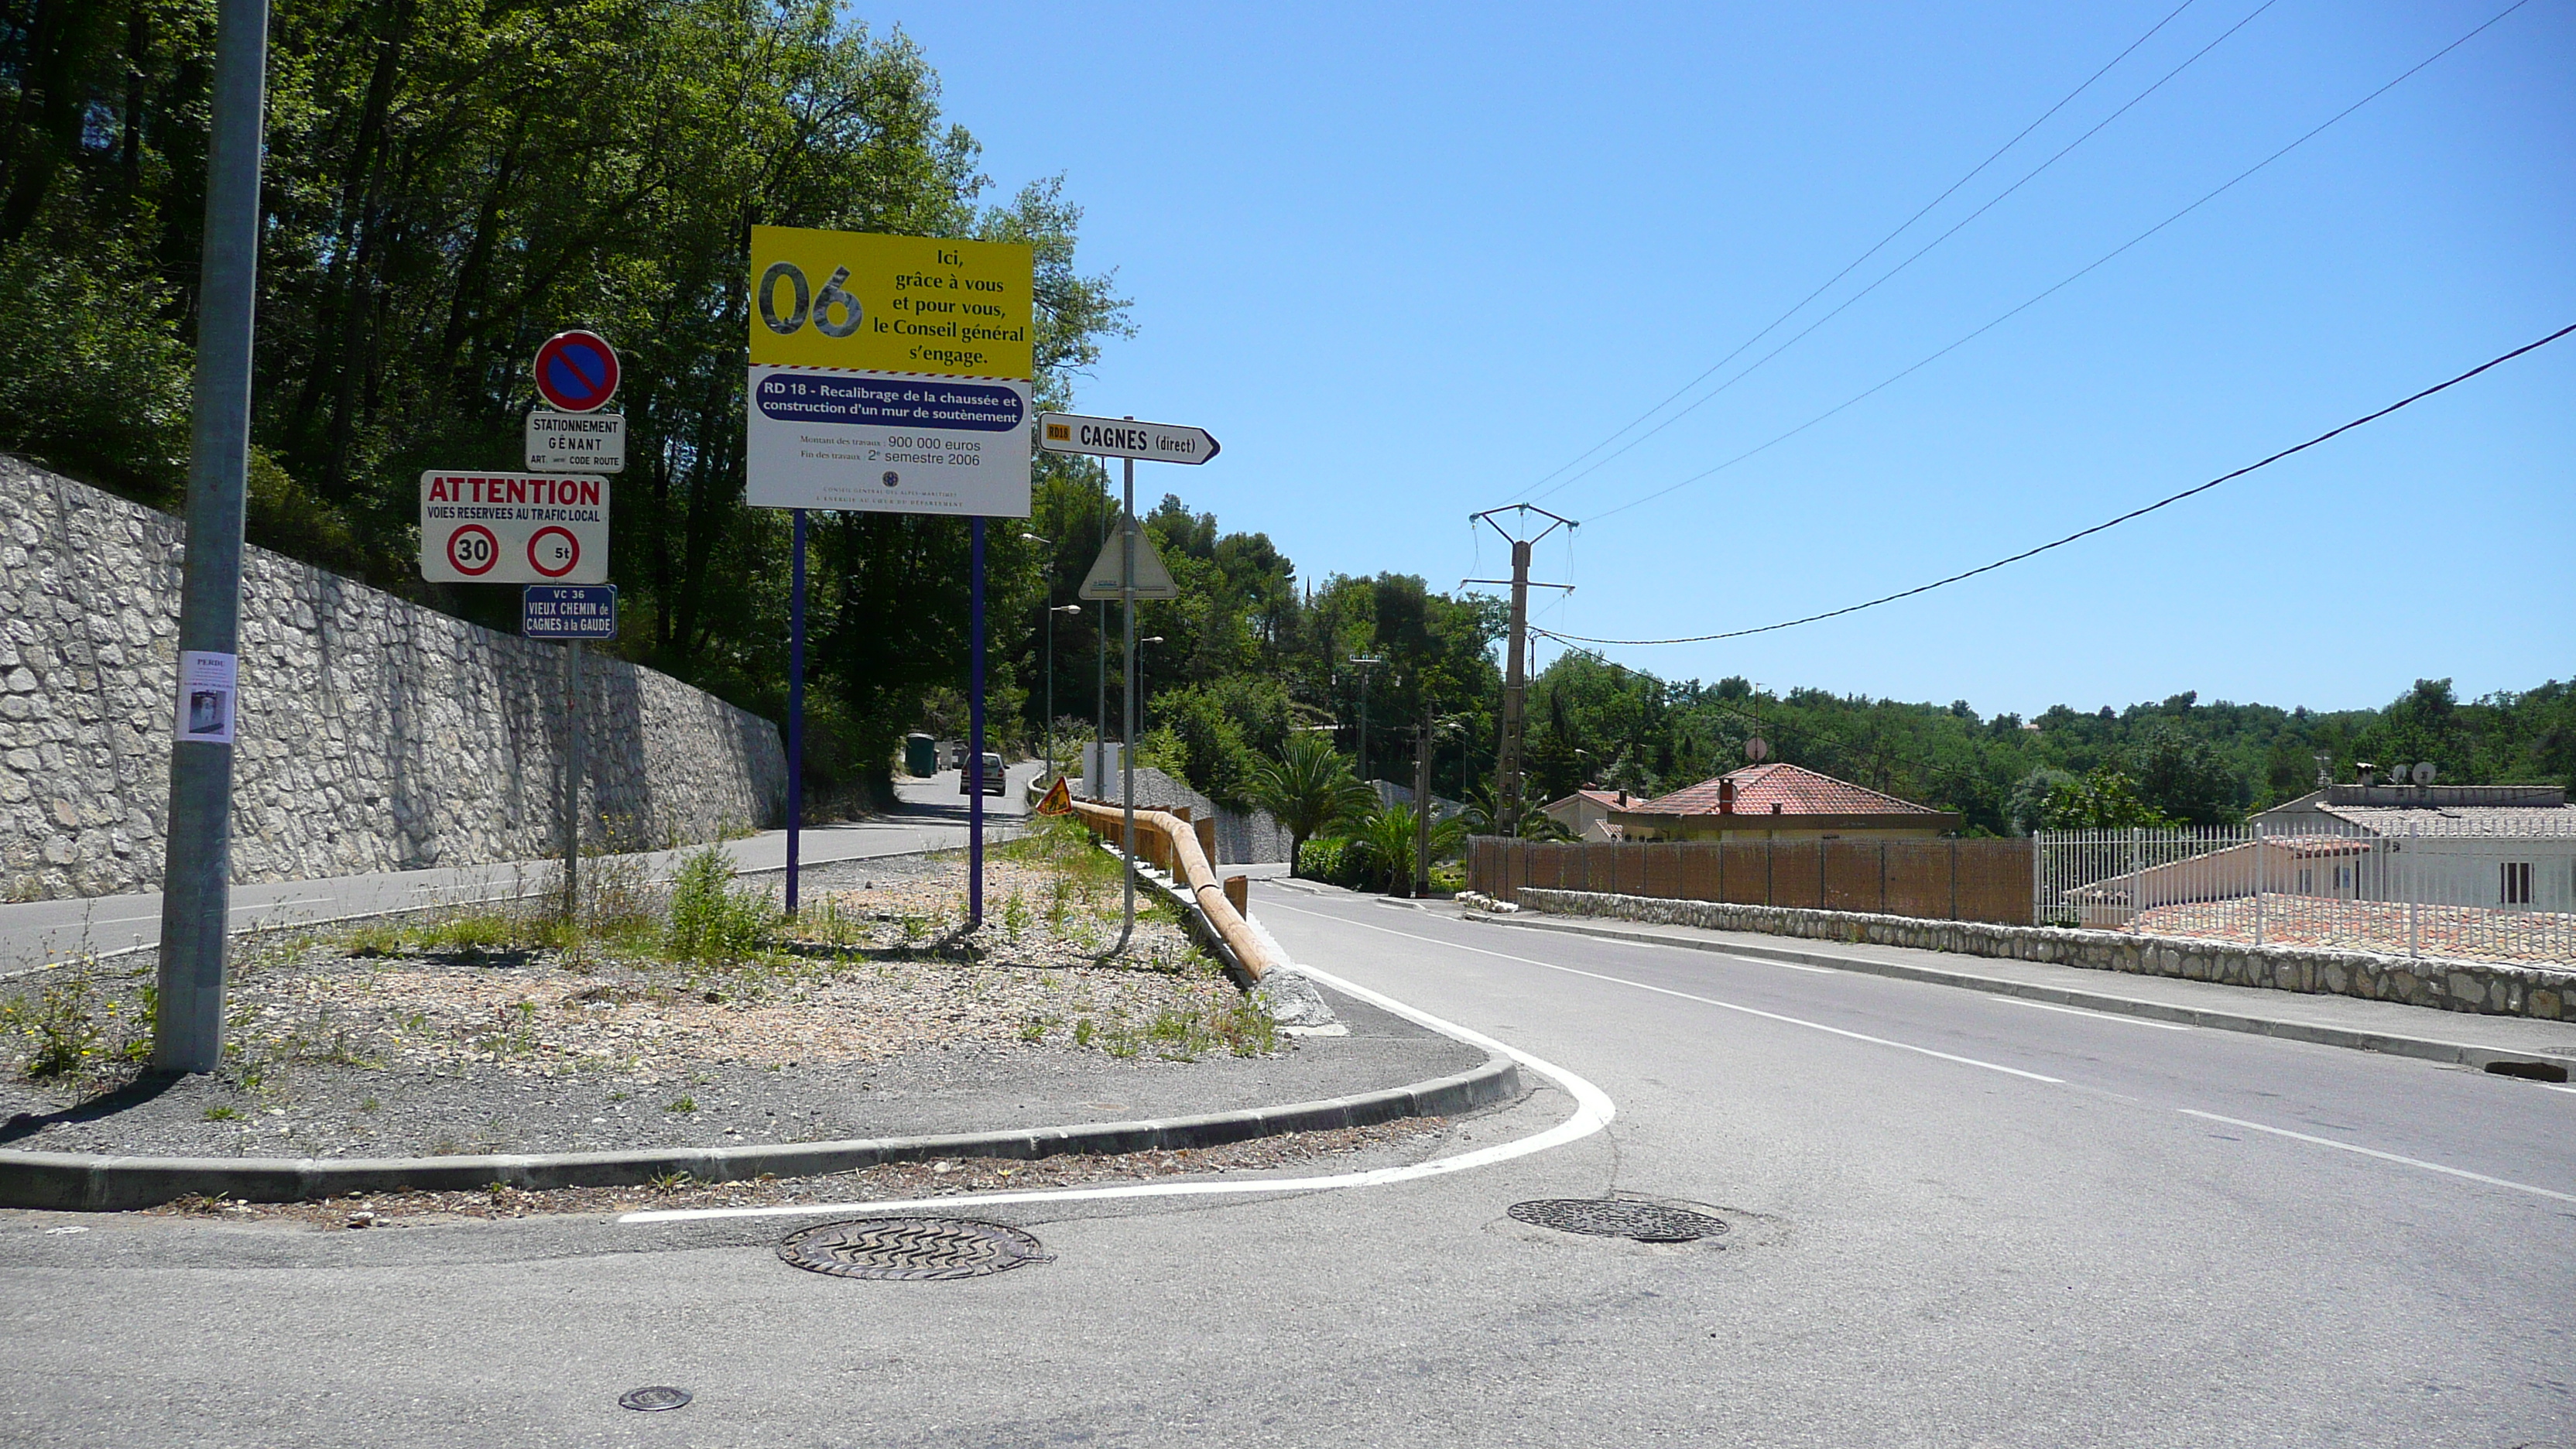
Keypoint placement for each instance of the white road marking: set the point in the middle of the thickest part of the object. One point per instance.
(2556, 1088)
(2382, 1156)
(2096, 1015)
(1593, 1110)
(1687, 996)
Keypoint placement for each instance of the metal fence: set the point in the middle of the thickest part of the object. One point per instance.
(2432, 884)
(1951, 880)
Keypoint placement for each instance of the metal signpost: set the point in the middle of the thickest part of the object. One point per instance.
(1128, 569)
(546, 528)
(571, 613)
(889, 374)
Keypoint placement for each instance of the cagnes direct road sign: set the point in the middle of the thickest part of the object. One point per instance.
(889, 374)
(513, 528)
(1124, 438)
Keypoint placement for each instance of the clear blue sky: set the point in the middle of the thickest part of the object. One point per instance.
(1407, 261)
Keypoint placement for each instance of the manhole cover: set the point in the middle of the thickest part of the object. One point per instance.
(653, 1400)
(1611, 1218)
(913, 1248)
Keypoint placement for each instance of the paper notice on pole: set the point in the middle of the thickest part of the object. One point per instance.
(207, 696)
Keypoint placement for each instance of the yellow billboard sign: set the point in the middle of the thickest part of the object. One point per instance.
(855, 301)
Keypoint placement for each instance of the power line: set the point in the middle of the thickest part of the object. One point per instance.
(1890, 274)
(2088, 532)
(1874, 249)
(2069, 280)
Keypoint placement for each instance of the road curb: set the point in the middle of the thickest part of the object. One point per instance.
(2465, 1054)
(84, 1182)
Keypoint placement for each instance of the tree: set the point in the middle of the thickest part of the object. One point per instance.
(1308, 788)
(2104, 799)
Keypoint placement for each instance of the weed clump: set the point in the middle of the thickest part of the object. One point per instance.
(712, 919)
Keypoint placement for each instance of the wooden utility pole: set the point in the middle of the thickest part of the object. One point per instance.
(1422, 807)
(1507, 755)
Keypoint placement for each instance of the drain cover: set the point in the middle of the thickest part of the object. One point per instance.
(1612, 1218)
(911, 1248)
(653, 1400)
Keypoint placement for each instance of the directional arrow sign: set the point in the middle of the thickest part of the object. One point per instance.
(1153, 581)
(1123, 438)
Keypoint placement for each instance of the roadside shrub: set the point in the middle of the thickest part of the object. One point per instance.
(712, 919)
(1335, 860)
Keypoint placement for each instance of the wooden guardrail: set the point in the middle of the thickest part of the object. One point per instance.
(1176, 846)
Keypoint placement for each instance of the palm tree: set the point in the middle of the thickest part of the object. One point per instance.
(1308, 789)
(1386, 838)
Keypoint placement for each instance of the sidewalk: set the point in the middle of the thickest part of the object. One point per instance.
(931, 815)
(2443, 1036)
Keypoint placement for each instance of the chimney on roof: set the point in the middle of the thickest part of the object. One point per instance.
(1623, 799)
(1725, 796)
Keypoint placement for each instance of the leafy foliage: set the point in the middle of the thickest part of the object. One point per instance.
(1308, 789)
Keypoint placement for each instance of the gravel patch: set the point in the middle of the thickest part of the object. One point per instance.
(875, 1018)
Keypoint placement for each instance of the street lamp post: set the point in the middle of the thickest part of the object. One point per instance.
(1140, 683)
(1365, 662)
(1050, 677)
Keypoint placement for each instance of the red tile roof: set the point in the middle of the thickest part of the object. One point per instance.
(1795, 789)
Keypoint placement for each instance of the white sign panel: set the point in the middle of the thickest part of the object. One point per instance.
(1124, 438)
(513, 528)
(208, 698)
(1153, 580)
(887, 442)
(576, 442)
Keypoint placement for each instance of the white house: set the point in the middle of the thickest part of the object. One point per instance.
(2510, 847)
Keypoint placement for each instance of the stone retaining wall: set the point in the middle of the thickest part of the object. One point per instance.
(2493, 989)
(375, 734)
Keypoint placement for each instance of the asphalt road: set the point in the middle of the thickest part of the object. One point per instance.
(931, 815)
(1957, 1220)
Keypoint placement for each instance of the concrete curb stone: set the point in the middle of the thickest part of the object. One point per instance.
(72, 1181)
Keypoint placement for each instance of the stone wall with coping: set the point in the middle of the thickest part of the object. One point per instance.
(2490, 988)
(375, 734)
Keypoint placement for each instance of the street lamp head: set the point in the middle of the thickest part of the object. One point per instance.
(1066, 609)
(1151, 639)
(1033, 538)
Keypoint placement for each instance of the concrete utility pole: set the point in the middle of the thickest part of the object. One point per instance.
(196, 882)
(1507, 752)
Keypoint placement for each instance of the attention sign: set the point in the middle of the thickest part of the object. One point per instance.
(889, 374)
(513, 528)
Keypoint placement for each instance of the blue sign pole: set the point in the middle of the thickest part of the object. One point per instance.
(975, 741)
(795, 706)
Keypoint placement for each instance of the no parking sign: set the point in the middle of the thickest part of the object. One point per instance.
(577, 371)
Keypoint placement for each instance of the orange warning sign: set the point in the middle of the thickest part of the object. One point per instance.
(1058, 801)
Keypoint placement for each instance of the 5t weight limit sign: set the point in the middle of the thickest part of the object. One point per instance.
(513, 528)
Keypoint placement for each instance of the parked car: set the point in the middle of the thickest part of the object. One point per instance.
(993, 773)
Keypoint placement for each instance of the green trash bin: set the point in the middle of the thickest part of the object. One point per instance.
(920, 755)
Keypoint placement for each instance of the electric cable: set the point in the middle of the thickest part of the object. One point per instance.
(2069, 280)
(2134, 513)
(1875, 248)
(1890, 274)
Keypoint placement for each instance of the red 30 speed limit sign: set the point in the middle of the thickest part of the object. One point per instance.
(513, 528)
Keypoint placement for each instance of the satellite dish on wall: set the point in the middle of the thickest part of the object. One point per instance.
(1757, 749)
(2422, 774)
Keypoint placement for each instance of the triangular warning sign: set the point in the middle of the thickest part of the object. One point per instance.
(1058, 801)
(1153, 581)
